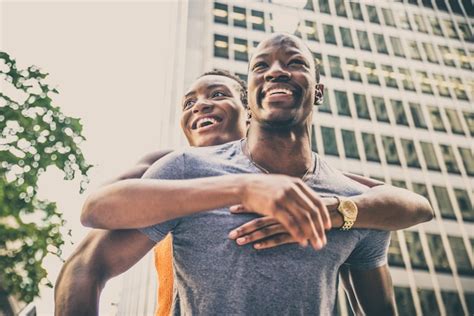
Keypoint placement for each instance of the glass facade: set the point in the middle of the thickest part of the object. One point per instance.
(397, 107)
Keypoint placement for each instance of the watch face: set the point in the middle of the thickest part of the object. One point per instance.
(349, 208)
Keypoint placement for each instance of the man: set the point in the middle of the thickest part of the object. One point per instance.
(283, 115)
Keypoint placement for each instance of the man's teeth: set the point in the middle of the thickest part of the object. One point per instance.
(279, 91)
(205, 122)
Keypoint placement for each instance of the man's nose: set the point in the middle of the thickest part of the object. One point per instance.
(202, 106)
(277, 73)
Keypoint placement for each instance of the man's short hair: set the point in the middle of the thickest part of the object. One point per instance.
(242, 84)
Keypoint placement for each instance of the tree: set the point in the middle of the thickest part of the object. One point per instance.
(35, 134)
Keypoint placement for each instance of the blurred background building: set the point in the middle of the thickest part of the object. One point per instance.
(398, 107)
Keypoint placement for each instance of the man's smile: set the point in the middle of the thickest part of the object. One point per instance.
(205, 122)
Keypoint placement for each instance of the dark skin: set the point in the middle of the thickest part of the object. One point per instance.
(279, 128)
(96, 259)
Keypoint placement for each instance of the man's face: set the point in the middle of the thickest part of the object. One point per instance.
(213, 113)
(281, 82)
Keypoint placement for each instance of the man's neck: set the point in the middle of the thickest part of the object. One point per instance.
(283, 151)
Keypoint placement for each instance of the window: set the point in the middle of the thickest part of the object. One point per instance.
(346, 37)
(425, 82)
(221, 13)
(319, 60)
(420, 23)
(371, 151)
(350, 144)
(454, 121)
(326, 106)
(380, 109)
(390, 149)
(314, 146)
(399, 183)
(380, 44)
(388, 17)
(465, 32)
(448, 58)
(458, 88)
(352, 68)
(399, 111)
(420, 188)
(407, 79)
(397, 46)
(364, 43)
(389, 76)
(463, 59)
(404, 299)
(442, 85)
(444, 202)
(342, 103)
(258, 20)
(417, 114)
(438, 253)
(403, 20)
(430, 156)
(221, 46)
(449, 159)
(335, 67)
(470, 302)
(373, 16)
(394, 253)
(361, 106)
(452, 303)
(329, 36)
(329, 141)
(240, 17)
(372, 75)
(340, 8)
(468, 160)
(242, 77)
(417, 257)
(324, 6)
(356, 11)
(410, 153)
(240, 49)
(414, 51)
(450, 29)
(430, 53)
(435, 26)
(436, 120)
(311, 32)
(469, 117)
(465, 205)
(460, 256)
(429, 306)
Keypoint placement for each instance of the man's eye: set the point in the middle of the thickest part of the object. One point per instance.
(188, 104)
(218, 94)
(297, 62)
(259, 66)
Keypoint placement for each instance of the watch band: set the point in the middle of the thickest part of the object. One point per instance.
(347, 224)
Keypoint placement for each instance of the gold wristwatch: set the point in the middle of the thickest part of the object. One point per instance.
(348, 209)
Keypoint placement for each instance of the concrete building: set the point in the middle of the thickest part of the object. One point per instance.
(398, 107)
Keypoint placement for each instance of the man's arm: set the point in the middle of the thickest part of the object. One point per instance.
(374, 291)
(100, 256)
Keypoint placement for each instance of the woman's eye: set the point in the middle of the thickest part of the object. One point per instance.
(188, 104)
(218, 94)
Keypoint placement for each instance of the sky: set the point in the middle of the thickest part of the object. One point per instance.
(104, 58)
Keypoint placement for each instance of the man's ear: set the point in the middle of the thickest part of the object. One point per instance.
(319, 94)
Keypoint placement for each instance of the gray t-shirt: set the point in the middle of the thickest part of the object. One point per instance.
(215, 276)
